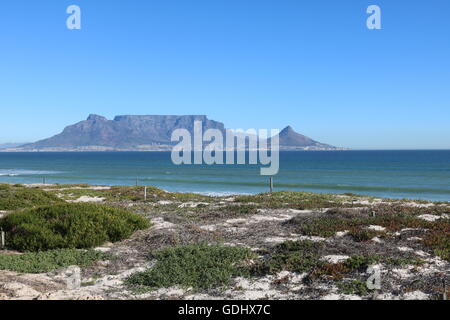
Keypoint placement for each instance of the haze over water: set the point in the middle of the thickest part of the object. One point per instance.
(393, 174)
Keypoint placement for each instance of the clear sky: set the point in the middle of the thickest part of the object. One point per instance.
(313, 65)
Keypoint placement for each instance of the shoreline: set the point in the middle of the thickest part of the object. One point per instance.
(232, 193)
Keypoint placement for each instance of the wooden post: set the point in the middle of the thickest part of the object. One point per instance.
(43, 180)
(145, 193)
(2, 241)
(444, 296)
(136, 181)
(271, 184)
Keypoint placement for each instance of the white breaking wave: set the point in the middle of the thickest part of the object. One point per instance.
(21, 172)
(222, 194)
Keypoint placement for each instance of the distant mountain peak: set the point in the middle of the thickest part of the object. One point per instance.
(292, 140)
(287, 130)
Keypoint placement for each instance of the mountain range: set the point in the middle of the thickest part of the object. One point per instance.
(145, 133)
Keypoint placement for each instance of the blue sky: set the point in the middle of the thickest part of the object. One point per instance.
(248, 63)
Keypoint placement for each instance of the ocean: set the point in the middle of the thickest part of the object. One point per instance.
(393, 174)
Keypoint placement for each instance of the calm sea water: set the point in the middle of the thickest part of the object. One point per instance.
(394, 174)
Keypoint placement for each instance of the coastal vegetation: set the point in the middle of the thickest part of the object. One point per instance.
(40, 262)
(198, 266)
(69, 225)
(14, 197)
(203, 244)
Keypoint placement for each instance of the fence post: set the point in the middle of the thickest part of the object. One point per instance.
(136, 181)
(271, 184)
(2, 241)
(444, 296)
(145, 193)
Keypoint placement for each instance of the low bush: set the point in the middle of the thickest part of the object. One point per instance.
(47, 261)
(354, 287)
(293, 256)
(19, 197)
(200, 266)
(70, 225)
(294, 200)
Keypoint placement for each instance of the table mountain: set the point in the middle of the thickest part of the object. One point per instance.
(124, 132)
(152, 132)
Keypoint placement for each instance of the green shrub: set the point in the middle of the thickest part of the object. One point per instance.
(199, 266)
(439, 241)
(354, 287)
(293, 256)
(70, 225)
(47, 261)
(18, 197)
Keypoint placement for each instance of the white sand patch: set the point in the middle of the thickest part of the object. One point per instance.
(405, 249)
(210, 227)
(312, 238)
(414, 239)
(429, 217)
(293, 237)
(96, 291)
(421, 253)
(261, 288)
(377, 240)
(419, 205)
(297, 211)
(293, 277)
(438, 262)
(243, 224)
(416, 295)
(341, 234)
(191, 204)
(432, 266)
(333, 259)
(277, 240)
(280, 217)
(412, 230)
(165, 202)
(376, 228)
(85, 199)
(365, 202)
(403, 273)
(160, 223)
(336, 296)
(20, 290)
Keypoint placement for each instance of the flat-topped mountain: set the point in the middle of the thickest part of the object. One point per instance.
(124, 132)
(147, 132)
